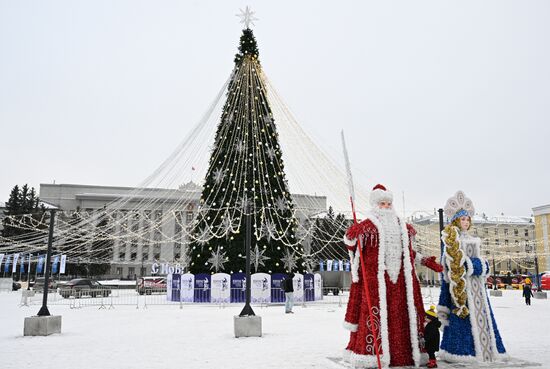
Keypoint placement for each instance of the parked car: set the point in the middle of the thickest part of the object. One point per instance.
(149, 285)
(15, 286)
(39, 284)
(83, 287)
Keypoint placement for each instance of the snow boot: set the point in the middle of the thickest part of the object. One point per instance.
(432, 363)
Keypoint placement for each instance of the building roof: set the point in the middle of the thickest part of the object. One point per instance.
(540, 210)
(481, 219)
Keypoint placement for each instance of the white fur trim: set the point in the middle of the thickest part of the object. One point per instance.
(363, 360)
(379, 195)
(382, 302)
(350, 326)
(346, 354)
(452, 358)
(408, 271)
(469, 267)
(484, 267)
(354, 261)
(349, 242)
(366, 361)
(443, 314)
(473, 317)
(487, 309)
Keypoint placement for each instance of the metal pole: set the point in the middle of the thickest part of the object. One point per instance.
(495, 287)
(441, 227)
(247, 310)
(537, 276)
(44, 309)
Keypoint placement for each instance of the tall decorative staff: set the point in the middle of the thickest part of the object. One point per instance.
(360, 248)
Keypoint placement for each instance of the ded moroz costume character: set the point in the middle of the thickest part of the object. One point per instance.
(470, 332)
(396, 302)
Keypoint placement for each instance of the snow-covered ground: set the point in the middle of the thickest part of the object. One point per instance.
(199, 336)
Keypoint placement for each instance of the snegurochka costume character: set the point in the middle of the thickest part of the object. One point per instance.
(388, 260)
(470, 332)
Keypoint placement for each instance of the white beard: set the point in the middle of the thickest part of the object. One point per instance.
(392, 242)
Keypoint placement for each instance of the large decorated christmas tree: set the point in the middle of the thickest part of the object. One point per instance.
(246, 177)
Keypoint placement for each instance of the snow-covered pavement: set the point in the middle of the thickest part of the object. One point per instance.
(200, 336)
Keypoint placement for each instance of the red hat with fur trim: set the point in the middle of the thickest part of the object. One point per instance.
(380, 193)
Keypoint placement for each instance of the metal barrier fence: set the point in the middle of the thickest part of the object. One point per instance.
(109, 298)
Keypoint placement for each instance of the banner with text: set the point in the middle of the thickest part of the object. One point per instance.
(260, 288)
(220, 288)
(15, 259)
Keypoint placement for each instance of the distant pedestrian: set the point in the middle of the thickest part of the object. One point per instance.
(289, 293)
(431, 336)
(527, 293)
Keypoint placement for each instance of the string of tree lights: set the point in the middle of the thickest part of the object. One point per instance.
(247, 155)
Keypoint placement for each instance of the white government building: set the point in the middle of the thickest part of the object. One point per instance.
(156, 204)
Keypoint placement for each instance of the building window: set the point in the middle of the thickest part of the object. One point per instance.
(189, 217)
(516, 231)
(131, 272)
(119, 271)
(497, 242)
(158, 216)
(506, 231)
(475, 231)
(496, 231)
(121, 255)
(526, 232)
(505, 242)
(487, 231)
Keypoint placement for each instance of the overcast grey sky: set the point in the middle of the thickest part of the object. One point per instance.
(434, 96)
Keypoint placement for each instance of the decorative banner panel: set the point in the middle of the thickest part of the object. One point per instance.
(168, 287)
(63, 264)
(298, 282)
(175, 286)
(15, 258)
(309, 290)
(220, 288)
(260, 288)
(238, 287)
(277, 294)
(202, 287)
(7, 265)
(40, 266)
(318, 286)
(187, 287)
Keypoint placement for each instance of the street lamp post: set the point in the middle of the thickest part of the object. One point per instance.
(44, 309)
(247, 310)
(440, 211)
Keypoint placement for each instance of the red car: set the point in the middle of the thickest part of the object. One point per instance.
(149, 285)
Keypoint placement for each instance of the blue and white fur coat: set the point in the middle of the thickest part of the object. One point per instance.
(475, 338)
